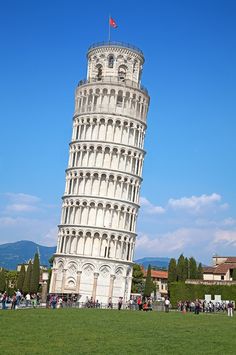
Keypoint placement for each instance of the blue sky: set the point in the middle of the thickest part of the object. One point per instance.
(188, 194)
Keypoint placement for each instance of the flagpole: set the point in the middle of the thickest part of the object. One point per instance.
(109, 29)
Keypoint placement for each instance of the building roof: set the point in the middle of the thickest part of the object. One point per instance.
(208, 270)
(223, 268)
(219, 269)
(231, 259)
(160, 274)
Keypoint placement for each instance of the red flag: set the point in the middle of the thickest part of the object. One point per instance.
(112, 23)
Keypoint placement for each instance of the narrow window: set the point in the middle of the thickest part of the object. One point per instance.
(105, 253)
(70, 184)
(73, 162)
(66, 215)
(99, 72)
(110, 61)
(128, 251)
(119, 99)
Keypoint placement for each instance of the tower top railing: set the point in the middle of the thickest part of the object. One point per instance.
(114, 80)
(116, 44)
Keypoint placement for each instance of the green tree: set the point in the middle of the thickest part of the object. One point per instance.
(172, 272)
(234, 275)
(2, 280)
(21, 278)
(149, 285)
(186, 269)
(200, 271)
(181, 269)
(193, 272)
(26, 284)
(137, 281)
(34, 281)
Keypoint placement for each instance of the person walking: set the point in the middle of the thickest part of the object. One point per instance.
(4, 300)
(167, 305)
(18, 297)
(120, 303)
(140, 303)
(197, 307)
(14, 301)
(27, 300)
(110, 305)
(230, 309)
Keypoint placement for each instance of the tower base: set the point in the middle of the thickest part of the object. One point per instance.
(91, 278)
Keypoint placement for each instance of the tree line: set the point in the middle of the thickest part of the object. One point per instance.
(27, 281)
(184, 269)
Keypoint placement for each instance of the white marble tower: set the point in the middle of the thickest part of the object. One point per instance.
(96, 237)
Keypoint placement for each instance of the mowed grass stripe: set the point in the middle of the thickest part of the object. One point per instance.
(93, 331)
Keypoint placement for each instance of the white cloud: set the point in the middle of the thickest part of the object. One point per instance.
(196, 225)
(20, 202)
(20, 207)
(27, 217)
(149, 208)
(167, 243)
(8, 221)
(22, 198)
(195, 203)
(225, 236)
(50, 238)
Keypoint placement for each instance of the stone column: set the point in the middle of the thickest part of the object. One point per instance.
(63, 280)
(54, 280)
(44, 292)
(112, 279)
(95, 281)
(78, 281)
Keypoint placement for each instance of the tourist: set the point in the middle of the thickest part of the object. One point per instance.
(34, 300)
(145, 307)
(60, 302)
(139, 303)
(192, 306)
(4, 300)
(27, 299)
(14, 301)
(110, 305)
(167, 305)
(18, 297)
(53, 301)
(149, 304)
(120, 303)
(230, 309)
(197, 307)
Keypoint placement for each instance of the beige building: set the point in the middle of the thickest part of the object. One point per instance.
(222, 269)
(160, 278)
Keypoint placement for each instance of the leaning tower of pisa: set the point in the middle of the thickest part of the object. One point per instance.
(96, 237)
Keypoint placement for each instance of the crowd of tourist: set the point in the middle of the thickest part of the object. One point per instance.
(204, 306)
(18, 299)
(135, 303)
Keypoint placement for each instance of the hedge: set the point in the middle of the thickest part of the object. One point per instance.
(179, 291)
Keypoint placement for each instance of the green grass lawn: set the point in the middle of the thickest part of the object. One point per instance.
(93, 331)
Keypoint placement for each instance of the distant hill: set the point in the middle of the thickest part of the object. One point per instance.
(12, 254)
(154, 262)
